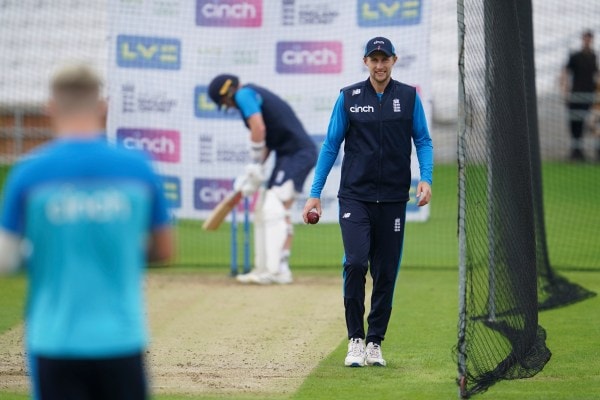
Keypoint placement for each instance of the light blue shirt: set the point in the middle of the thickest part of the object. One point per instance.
(86, 210)
(248, 101)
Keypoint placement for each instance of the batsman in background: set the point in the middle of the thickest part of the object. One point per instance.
(274, 127)
(87, 217)
(377, 119)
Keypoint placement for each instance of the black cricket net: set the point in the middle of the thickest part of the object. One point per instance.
(499, 334)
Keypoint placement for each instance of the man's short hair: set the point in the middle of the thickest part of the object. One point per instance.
(75, 87)
(588, 33)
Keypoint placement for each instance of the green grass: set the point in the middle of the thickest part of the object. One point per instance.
(572, 209)
(423, 327)
(423, 330)
(572, 220)
(418, 347)
(320, 246)
(12, 300)
(572, 227)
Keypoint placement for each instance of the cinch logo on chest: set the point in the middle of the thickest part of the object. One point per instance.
(362, 109)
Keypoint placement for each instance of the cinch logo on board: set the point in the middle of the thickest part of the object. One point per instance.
(388, 12)
(204, 107)
(309, 57)
(162, 145)
(148, 52)
(209, 192)
(362, 109)
(229, 13)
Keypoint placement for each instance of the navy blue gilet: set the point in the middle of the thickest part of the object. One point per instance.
(285, 133)
(376, 166)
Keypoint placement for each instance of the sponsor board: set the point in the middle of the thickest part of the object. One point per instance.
(148, 52)
(229, 13)
(309, 57)
(318, 139)
(153, 8)
(374, 13)
(162, 145)
(411, 206)
(211, 150)
(208, 193)
(209, 56)
(244, 35)
(308, 12)
(134, 101)
(317, 103)
(206, 149)
(172, 189)
(406, 59)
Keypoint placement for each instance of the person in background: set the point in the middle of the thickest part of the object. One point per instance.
(578, 83)
(274, 127)
(84, 218)
(378, 120)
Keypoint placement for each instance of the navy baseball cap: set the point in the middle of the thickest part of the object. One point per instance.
(382, 44)
(220, 85)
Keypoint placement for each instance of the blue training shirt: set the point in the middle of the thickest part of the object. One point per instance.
(336, 132)
(86, 209)
(248, 101)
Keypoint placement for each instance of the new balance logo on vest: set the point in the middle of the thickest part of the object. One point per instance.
(362, 109)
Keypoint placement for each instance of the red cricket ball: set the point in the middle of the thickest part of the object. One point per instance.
(312, 217)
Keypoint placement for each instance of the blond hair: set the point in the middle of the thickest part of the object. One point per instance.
(75, 87)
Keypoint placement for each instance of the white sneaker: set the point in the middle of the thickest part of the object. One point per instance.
(282, 278)
(356, 353)
(250, 277)
(279, 278)
(374, 356)
(265, 278)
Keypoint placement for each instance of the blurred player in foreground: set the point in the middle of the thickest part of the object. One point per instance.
(377, 119)
(86, 217)
(273, 127)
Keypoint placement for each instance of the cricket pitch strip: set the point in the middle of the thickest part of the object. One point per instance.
(211, 335)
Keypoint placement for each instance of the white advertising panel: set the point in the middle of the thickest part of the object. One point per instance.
(163, 54)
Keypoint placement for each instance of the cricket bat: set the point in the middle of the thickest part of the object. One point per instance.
(221, 211)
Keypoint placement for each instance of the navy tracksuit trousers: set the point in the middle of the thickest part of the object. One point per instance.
(373, 234)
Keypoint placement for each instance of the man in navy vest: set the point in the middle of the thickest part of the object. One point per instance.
(274, 127)
(377, 119)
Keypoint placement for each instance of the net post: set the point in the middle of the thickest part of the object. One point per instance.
(462, 243)
(490, 198)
